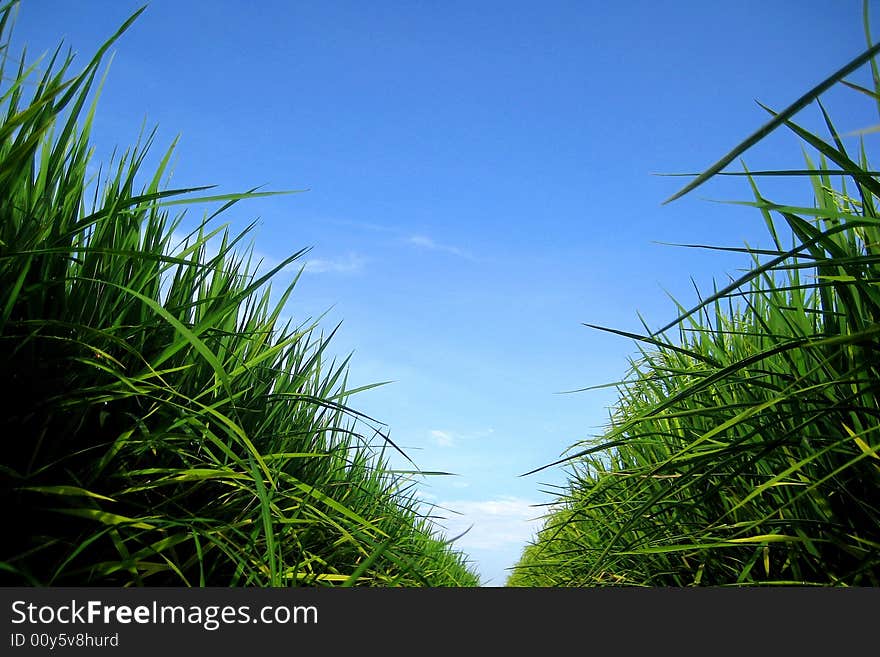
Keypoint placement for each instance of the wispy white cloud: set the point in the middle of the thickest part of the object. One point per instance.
(425, 242)
(442, 438)
(418, 240)
(446, 438)
(493, 524)
(351, 263)
(425, 496)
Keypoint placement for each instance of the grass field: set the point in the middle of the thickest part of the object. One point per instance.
(743, 448)
(166, 424)
(162, 423)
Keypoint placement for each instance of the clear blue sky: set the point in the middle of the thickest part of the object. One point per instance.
(480, 184)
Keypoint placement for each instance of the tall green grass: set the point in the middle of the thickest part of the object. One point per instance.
(744, 448)
(161, 423)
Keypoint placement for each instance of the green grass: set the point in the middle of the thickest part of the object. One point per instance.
(162, 424)
(744, 448)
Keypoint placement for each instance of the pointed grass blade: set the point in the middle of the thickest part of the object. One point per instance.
(776, 121)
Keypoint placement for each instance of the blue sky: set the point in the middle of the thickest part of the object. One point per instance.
(480, 184)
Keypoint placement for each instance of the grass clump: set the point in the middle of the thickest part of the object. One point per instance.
(744, 448)
(162, 424)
